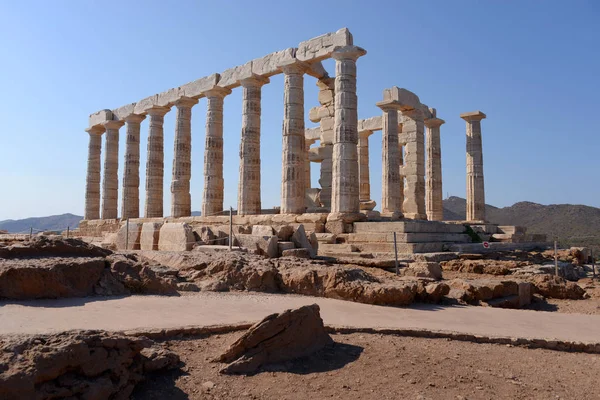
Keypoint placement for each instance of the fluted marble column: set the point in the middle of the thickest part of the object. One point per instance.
(249, 183)
(293, 173)
(212, 197)
(413, 130)
(181, 201)
(433, 190)
(364, 179)
(92, 183)
(345, 180)
(475, 182)
(155, 164)
(110, 183)
(391, 204)
(130, 206)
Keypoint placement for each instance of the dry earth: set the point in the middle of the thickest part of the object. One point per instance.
(367, 366)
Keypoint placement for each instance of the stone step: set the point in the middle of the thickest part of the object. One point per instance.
(407, 237)
(407, 227)
(340, 247)
(431, 247)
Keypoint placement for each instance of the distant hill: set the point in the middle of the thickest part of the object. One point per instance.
(574, 225)
(51, 223)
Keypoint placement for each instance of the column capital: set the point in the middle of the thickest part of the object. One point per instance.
(254, 81)
(473, 116)
(157, 111)
(185, 102)
(388, 105)
(434, 122)
(295, 67)
(365, 133)
(217, 91)
(134, 118)
(113, 124)
(348, 53)
(95, 130)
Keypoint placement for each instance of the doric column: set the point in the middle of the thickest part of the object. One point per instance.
(249, 183)
(293, 169)
(110, 183)
(212, 197)
(130, 206)
(475, 185)
(364, 181)
(433, 190)
(92, 183)
(401, 143)
(181, 201)
(344, 187)
(413, 130)
(391, 204)
(155, 164)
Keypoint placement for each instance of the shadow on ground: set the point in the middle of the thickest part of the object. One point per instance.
(159, 386)
(60, 303)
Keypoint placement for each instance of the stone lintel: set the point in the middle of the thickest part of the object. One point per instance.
(371, 124)
(272, 64)
(254, 80)
(365, 133)
(434, 122)
(100, 117)
(312, 133)
(230, 78)
(197, 89)
(113, 124)
(406, 99)
(96, 129)
(473, 116)
(425, 111)
(348, 53)
(321, 47)
(134, 118)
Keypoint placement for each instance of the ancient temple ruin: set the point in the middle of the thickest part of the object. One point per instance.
(342, 205)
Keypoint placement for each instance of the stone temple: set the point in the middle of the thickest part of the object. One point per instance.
(339, 214)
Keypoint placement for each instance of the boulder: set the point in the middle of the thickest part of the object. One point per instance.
(262, 230)
(430, 270)
(42, 246)
(299, 253)
(149, 235)
(556, 287)
(277, 338)
(302, 241)
(283, 246)
(285, 232)
(128, 236)
(176, 236)
(262, 245)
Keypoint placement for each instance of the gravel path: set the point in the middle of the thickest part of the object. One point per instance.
(140, 312)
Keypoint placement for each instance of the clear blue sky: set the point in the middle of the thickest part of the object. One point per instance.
(532, 66)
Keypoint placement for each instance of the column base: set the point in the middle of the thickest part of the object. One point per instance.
(372, 215)
(415, 216)
(338, 223)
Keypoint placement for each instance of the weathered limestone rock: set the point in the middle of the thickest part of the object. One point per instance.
(301, 240)
(212, 197)
(128, 237)
(475, 181)
(262, 245)
(414, 164)
(390, 179)
(298, 253)
(92, 183)
(434, 193)
(283, 246)
(176, 236)
(262, 230)
(431, 270)
(181, 202)
(149, 236)
(130, 206)
(110, 183)
(277, 338)
(344, 188)
(249, 201)
(285, 232)
(155, 163)
(293, 169)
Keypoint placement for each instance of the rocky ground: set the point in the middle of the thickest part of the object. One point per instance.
(369, 366)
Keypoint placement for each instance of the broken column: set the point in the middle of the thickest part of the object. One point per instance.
(92, 183)
(110, 183)
(434, 194)
(155, 163)
(344, 188)
(130, 206)
(475, 183)
(249, 184)
(212, 197)
(181, 201)
(391, 204)
(293, 171)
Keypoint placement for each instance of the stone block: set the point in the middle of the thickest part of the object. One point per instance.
(525, 294)
(271, 64)
(302, 241)
(263, 245)
(430, 270)
(326, 238)
(370, 124)
(313, 116)
(321, 47)
(312, 133)
(197, 88)
(283, 246)
(123, 112)
(299, 253)
(316, 70)
(176, 236)
(149, 236)
(230, 78)
(285, 232)
(262, 230)
(129, 238)
(100, 117)
(405, 99)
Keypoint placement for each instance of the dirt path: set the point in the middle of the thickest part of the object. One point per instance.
(202, 309)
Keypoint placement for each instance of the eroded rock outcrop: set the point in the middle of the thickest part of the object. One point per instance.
(78, 365)
(277, 338)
